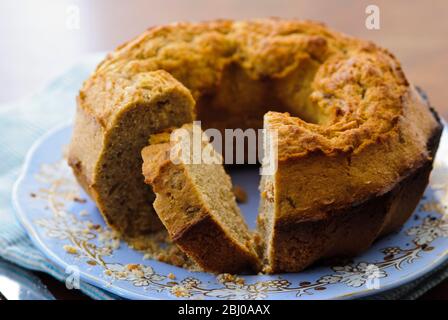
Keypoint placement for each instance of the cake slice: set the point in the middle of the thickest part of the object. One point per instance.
(109, 134)
(319, 205)
(196, 204)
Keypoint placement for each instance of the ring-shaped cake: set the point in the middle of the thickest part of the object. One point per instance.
(356, 141)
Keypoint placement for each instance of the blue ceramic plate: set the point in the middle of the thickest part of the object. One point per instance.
(58, 217)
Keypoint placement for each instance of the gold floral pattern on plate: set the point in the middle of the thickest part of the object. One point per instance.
(95, 246)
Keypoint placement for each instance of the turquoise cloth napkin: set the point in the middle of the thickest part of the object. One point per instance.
(23, 122)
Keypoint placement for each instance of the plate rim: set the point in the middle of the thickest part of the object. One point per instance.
(38, 241)
(31, 231)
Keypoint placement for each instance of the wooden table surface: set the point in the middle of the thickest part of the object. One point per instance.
(39, 39)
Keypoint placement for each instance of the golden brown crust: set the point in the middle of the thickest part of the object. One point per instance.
(349, 231)
(336, 216)
(351, 86)
(105, 151)
(189, 215)
(213, 249)
(351, 128)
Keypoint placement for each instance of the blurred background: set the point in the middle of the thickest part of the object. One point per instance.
(39, 39)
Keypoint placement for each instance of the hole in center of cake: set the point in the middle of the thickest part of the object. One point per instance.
(240, 100)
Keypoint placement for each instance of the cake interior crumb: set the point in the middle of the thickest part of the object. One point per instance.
(158, 246)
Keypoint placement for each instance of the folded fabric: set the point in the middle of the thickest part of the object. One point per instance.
(23, 122)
